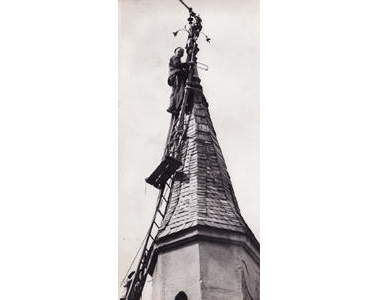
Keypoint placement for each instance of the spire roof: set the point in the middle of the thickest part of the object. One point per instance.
(202, 192)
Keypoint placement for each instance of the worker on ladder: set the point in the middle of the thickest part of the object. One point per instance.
(178, 73)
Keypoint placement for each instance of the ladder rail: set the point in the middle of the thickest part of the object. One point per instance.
(176, 136)
(177, 130)
(141, 271)
(176, 133)
(143, 260)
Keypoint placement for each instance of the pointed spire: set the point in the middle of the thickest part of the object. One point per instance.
(202, 192)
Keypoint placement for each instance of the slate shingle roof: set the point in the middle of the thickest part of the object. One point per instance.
(203, 195)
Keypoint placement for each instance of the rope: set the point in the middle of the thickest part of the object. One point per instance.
(140, 247)
(145, 243)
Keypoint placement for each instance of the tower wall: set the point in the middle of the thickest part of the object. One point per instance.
(206, 270)
(177, 270)
(228, 272)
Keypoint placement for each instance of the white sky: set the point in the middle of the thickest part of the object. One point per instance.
(231, 87)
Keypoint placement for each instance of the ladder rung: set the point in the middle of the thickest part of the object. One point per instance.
(160, 213)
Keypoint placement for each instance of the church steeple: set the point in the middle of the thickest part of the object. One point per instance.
(198, 245)
(204, 248)
(202, 193)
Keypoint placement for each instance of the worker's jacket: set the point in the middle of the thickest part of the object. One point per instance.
(177, 69)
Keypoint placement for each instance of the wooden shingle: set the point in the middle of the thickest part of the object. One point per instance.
(206, 197)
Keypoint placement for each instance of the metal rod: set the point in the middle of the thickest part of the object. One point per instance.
(183, 3)
(202, 66)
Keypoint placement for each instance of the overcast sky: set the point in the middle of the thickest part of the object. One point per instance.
(231, 87)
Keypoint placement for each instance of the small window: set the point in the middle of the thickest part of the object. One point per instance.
(181, 296)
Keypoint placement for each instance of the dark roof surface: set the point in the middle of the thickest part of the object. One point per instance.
(203, 195)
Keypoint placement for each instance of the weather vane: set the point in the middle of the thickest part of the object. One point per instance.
(194, 30)
(195, 24)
